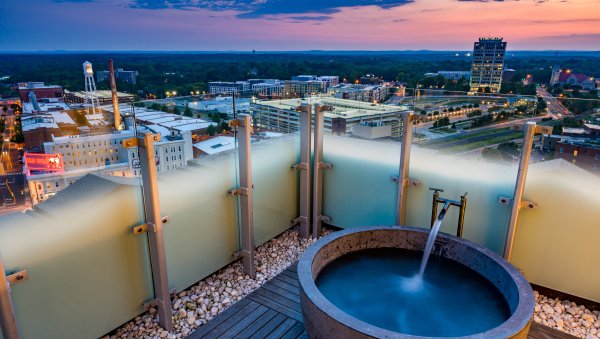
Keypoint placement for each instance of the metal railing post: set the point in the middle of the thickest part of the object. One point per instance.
(8, 322)
(403, 179)
(318, 165)
(244, 126)
(305, 169)
(517, 201)
(153, 226)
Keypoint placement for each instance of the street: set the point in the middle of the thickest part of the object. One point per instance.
(555, 108)
(13, 184)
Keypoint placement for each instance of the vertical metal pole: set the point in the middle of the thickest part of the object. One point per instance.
(156, 240)
(305, 183)
(529, 131)
(404, 167)
(244, 123)
(8, 323)
(318, 173)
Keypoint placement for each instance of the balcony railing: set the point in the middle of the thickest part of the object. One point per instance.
(88, 273)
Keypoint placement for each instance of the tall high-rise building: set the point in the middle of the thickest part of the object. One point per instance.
(488, 65)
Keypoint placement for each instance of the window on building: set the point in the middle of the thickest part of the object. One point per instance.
(561, 150)
(597, 156)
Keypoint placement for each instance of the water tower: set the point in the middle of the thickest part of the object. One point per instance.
(90, 86)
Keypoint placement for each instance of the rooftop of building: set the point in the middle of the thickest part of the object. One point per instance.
(36, 85)
(102, 94)
(45, 106)
(216, 144)
(339, 107)
(93, 136)
(50, 119)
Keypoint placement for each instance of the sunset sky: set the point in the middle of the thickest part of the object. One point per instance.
(268, 25)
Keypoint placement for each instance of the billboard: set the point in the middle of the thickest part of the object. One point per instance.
(44, 162)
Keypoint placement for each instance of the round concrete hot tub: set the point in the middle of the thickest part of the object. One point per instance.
(343, 295)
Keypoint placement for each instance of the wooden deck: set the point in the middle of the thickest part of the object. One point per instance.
(273, 311)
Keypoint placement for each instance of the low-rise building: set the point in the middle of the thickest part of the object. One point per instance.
(213, 145)
(102, 97)
(267, 90)
(566, 77)
(301, 88)
(339, 114)
(367, 93)
(451, 75)
(129, 77)
(104, 154)
(584, 153)
(40, 90)
(228, 88)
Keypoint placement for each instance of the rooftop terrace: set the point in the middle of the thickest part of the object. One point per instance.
(109, 251)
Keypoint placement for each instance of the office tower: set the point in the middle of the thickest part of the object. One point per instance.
(488, 65)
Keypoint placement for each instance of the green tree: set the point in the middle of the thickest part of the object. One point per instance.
(211, 130)
(541, 106)
(164, 108)
(177, 110)
(155, 106)
(188, 112)
(557, 130)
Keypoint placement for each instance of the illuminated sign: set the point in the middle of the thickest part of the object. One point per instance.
(44, 162)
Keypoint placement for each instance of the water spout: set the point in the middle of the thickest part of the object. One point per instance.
(431, 240)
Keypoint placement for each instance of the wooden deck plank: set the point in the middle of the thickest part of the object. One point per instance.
(285, 326)
(303, 335)
(269, 327)
(279, 299)
(216, 321)
(294, 332)
(285, 278)
(539, 331)
(233, 320)
(282, 292)
(243, 323)
(286, 311)
(285, 286)
(293, 267)
(289, 274)
(258, 324)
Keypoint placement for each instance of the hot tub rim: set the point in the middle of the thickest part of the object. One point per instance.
(519, 319)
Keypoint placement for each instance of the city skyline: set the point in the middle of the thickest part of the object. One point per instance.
(272, 25)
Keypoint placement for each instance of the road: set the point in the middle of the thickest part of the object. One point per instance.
(555, 108)
(13, 184)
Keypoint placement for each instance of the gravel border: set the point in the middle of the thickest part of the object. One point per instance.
(567, 316)
(200, 303)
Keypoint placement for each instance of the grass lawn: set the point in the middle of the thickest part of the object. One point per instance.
(484, 143)
(468, 136)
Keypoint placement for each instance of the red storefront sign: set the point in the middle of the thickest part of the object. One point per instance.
(44, 162)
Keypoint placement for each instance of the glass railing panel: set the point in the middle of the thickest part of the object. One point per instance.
(88, 273)
(467, 143)
(275, 185)
(358, 189)
(202, 234)
(486, 220)
(556, 244)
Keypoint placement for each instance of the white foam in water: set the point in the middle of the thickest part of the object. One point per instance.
(412, 284)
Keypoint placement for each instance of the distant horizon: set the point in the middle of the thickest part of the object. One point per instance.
(299, 51)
